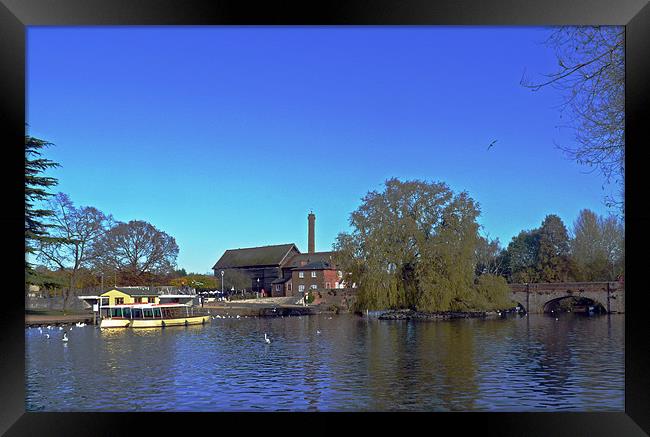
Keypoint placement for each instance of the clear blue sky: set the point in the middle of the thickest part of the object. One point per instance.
(226, 137)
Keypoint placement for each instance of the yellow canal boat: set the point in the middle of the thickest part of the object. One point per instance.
(150, 315)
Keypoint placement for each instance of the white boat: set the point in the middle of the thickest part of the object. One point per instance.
(150, 315)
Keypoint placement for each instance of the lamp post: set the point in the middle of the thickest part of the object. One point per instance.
(222, 282)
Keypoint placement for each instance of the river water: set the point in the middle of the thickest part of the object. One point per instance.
(530, 363)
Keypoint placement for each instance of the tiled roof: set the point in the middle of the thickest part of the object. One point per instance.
(318, 265)
(254, 256)
(309, 258)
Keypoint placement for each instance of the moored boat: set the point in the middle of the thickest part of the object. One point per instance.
(150, 315)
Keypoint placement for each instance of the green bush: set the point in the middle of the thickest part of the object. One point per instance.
(492, 293)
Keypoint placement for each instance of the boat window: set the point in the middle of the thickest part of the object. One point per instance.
(137, 313)
(148, 312)
(127, 312)
(156, 312)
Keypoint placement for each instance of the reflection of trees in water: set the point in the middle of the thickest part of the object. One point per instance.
(394, 364)
(407, 359)
(457, 387)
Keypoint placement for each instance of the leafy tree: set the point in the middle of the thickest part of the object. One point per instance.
(48, 279)
(36, 190)
(597, 247)
(138, 252)
(542, 254)
(522, 257)
(179, 273)
(195, 280)
(490, 257)
(412, 245)
(492, 292)
(75, 230)
(591, 76)
(553, 263)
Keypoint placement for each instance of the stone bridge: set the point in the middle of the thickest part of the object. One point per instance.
(535, 297)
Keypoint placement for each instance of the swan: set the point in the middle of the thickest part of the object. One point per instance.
(266, 339)
(65, 336)
(47, 335)
(318, 332)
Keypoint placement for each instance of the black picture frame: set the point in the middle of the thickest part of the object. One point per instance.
(15, 15)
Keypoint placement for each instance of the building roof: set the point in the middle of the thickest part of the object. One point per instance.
(318, 265)
(255, 256)
(280, 280)
(307, 258)
(133, 291)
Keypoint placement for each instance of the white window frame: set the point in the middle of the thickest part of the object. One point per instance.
(301, 287)
(313, 273)
(301, 274)
(313, 287)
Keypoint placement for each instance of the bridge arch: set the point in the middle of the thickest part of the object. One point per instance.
(574, 304)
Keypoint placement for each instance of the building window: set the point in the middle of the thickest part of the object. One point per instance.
(119, 300)
(277, 287)
(137, 299)
(289, 286)
(152, 299)
(314, 287)
(327, 285)
(301, 274)
(313, 274)
(301, 288)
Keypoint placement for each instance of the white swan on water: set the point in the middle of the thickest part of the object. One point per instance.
(65, 336)
(266, 339)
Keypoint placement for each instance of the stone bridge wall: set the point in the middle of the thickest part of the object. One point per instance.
(533, 297)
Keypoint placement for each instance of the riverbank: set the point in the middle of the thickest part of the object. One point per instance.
(44, 318)
(408, 314)
(264, 307)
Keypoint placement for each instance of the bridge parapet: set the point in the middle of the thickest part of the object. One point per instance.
(535, 296)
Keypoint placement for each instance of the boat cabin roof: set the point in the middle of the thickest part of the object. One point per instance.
(147, 305)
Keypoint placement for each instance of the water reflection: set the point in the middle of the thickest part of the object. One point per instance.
(533, 363)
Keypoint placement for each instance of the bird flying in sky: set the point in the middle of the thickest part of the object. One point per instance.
(491, 144)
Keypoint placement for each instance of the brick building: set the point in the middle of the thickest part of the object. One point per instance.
(315, 276)
(278, 268)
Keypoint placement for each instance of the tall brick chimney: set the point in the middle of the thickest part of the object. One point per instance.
(311, 247)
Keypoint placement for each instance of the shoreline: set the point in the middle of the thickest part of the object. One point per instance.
(409, 314)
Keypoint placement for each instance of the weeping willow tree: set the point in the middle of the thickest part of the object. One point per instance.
(413, 246)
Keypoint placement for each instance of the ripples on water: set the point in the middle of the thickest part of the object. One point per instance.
(533, 363)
